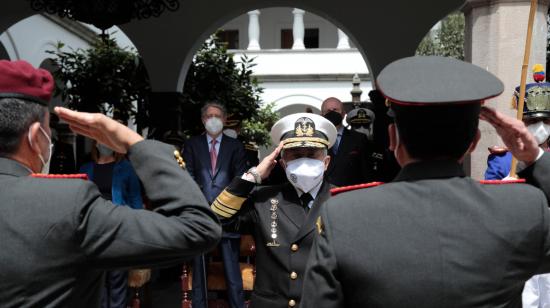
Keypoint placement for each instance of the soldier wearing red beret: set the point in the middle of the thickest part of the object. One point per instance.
(58, 235)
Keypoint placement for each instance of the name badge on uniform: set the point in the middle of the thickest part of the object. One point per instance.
(273, 226)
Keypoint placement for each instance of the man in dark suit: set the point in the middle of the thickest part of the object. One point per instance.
(282, 217)
(59, 235)
(213, 160)
(350, 154)
(433, 237)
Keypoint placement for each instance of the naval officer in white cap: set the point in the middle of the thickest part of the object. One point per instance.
(282, 217)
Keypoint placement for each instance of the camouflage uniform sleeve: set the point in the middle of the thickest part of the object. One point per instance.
(322, 287)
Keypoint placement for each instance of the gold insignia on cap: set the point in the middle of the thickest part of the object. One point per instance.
(319, 224)
(179, 159)
(361, 116)
(304, 127)
(304, 130)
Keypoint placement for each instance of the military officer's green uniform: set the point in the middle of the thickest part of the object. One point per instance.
(433, 237)
(58, 235)
(283, 228)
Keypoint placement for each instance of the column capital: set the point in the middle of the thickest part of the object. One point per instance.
(298, 11)
(254, 12)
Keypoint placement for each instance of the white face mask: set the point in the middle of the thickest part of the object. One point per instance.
(213, 125)
(45, 163)
(540, 131)
(305, 173)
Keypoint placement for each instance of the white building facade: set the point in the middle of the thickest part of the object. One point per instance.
(300, 58)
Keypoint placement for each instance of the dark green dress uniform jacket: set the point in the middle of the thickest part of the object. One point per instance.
(283, 232)
(57, 236)
(432, 238)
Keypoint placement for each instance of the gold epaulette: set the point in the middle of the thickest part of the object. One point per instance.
(81, 176)
(179, 159)
(339, 190)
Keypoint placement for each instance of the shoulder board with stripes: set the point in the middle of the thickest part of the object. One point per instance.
(501, 182)
(338, 190)
(82, 176)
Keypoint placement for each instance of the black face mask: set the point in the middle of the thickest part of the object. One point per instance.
(334, 117)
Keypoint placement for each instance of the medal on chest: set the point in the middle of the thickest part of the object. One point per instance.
(273, 224)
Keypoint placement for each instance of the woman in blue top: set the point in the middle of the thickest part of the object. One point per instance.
(117, 181)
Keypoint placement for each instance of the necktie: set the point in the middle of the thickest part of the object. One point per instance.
(336, 144)
(213, 155)
(306, 198)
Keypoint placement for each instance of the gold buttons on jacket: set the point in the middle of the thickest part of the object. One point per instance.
(294, 247)
(293, 275)
(291, 303)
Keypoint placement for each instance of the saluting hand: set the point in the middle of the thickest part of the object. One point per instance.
(101, 128)
(269, 162)
(513, 133)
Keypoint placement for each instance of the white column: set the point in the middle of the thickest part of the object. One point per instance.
(343, 40)
(298, 29)
(254, 30)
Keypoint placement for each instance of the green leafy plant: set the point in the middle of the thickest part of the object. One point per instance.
(446, 41)
(256, 129)
(103, 78)
(215, 76)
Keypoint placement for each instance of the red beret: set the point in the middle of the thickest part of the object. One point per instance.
(19, 79)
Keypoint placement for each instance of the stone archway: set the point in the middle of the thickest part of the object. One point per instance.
(168, 43)
(168, 56)
(383, 30)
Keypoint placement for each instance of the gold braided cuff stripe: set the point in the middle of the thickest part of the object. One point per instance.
(227, 204)
(217, 208)
(223, 208)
